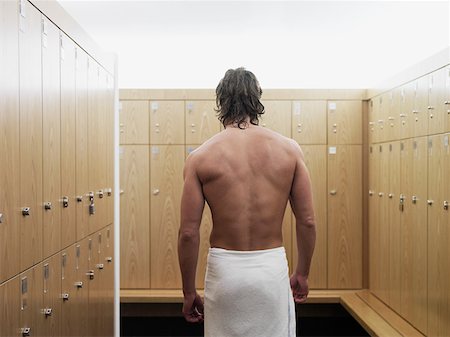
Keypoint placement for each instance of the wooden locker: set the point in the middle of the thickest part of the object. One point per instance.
(374, 222)
(406, 116)
(81, 145)
(110, 154)
(108, 328)
(166, 172)
(201, 121)
(30, 62)
(9, 142)
(52, 296)
(102, 160)
(420, 109)
(437, 96)
(316, 162)
(101, 276)
(277, 117)
(344, 122)
(394, 292)
(135, 217)
(438, 236)
(414, 232)
(447, 99)
(94, 145)
(345, 216)
(70, 288)
(309, 120)
(80, 295)
(68, 138)
(374, 108)
(134, 122)
(10, 308)
(167, 122)
(95, 305)
(397, 103)
(383, 110)
(31, 285)
(51, 169)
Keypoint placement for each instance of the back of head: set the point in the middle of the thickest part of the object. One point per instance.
(238, 98)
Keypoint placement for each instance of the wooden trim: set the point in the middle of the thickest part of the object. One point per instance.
(365, 201)
(56, 13)
(268, 94)
(434, 62)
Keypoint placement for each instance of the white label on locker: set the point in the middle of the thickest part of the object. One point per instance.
(189, 106)
(190, 149)
(297, 108)
(22, 24)
(155, 106)
(44, 41)
(24, 285)
(446, 140)
(332, 106)
(23, 12)
(155, 150)
(332, 150)
(44, 27)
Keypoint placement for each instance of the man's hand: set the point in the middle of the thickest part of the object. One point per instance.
(299, 286)
(193, 308)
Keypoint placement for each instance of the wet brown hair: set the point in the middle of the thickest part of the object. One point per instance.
(238, 97)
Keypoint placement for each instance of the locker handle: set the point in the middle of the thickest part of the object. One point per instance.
(25, 332)
(391, 118)
(90, 274)
(263, 124)
(380, 194)
(65, 201)
(390, 195)
(47, 312)
(100, 194)
(109, 192)
(122, 191)
(414, 199)
(403, 115)
(430, 202)
(446, 205)
(26, 211)
(79, 284)
(415, 111)
(100, 266)
(447, 102)
(430, 107)
(109, 259)
(65, 296)
(370, 193)
(155, 192)
(371, 123)
(402, 200)
(380, 121)
(47, 206)
(333, 192)
(1, 217)
(79, 198)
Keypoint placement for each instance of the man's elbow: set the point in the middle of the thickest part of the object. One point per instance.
(188, 235)
(309, 223)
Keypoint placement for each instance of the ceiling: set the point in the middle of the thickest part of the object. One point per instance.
(287, 44)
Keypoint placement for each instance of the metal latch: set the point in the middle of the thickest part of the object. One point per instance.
(100, 194)
(92, 205)
(79, 198)
(90, 274)
(47, 312)
(430, 202)
(26, 211)
(1, 217)
(108, 259)
(65, 202)
(100, 266)
(402, 202)
(380, 194)
(48, 206)
(25, 332)
(390, 195)
(414, 199)
(370, 193)
(109, 192)
(79, 284)
(446, 205)
(65, 296)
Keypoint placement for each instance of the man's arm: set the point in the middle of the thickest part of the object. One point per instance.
(192, 204)
(302, 205)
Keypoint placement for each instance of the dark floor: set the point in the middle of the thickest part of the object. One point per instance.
(312, 320)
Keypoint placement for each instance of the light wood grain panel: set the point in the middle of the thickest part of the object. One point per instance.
(68, 138)
(277, 117)
(345, 217)
(420, 109)
(110, 151)
(81, 295)
(166, 185)
(167, 122)
(309, 120)
(316, 162)
(201, 121)
(135, 216)
(395, 261)
(95, 287)
(405, 114)
(31, 286)
(51, 292)
(108, 255)
(397, 102)
(447, 99)
(374, 221)
(380, 123)
(30, 62)
(10, 308)
(68, 286)
(9, 142)
(81, 145)
(51, 103)
(438, 236)
(437, 110)
(372, 116)
(134, 122)
(344, 122)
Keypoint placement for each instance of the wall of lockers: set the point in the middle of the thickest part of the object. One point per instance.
(158, 129)
(409, 195)
(56, 178)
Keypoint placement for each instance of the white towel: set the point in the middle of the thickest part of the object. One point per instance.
(247, 293)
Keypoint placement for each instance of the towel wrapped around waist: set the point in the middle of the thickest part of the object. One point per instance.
(247, 293)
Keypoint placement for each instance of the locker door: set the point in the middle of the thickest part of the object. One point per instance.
(405, 113)
(9, 142)
(52, 296)
(81, 145)
(10, 308)
(108, 253)
(436, 97)
(420, 110)
(344, 122)
(69, 287)
(374, 215)
(68, 138)
(345, 216)
(167, 122)
(447, 99)
(383, 247)
(51, 138)
(101, 283)
(316, 162)
(94, 146)
(373, 112)
(134, 122)
(438, 236)
(81, 293)
(135, 217)
(394, 227)
(277, 117)
(94, 319)
(30, 135)
(201, 121)
(414, 233)
(381, 120)
(309, 120)
(396, 106)
(166, 181)
(105, 145)
(110, 150)
(31, 286)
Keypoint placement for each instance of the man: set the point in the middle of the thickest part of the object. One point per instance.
(246, 174)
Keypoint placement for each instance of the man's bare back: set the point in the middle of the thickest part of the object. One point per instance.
(246, 176)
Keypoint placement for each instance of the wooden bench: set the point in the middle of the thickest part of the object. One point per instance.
(372, 314)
